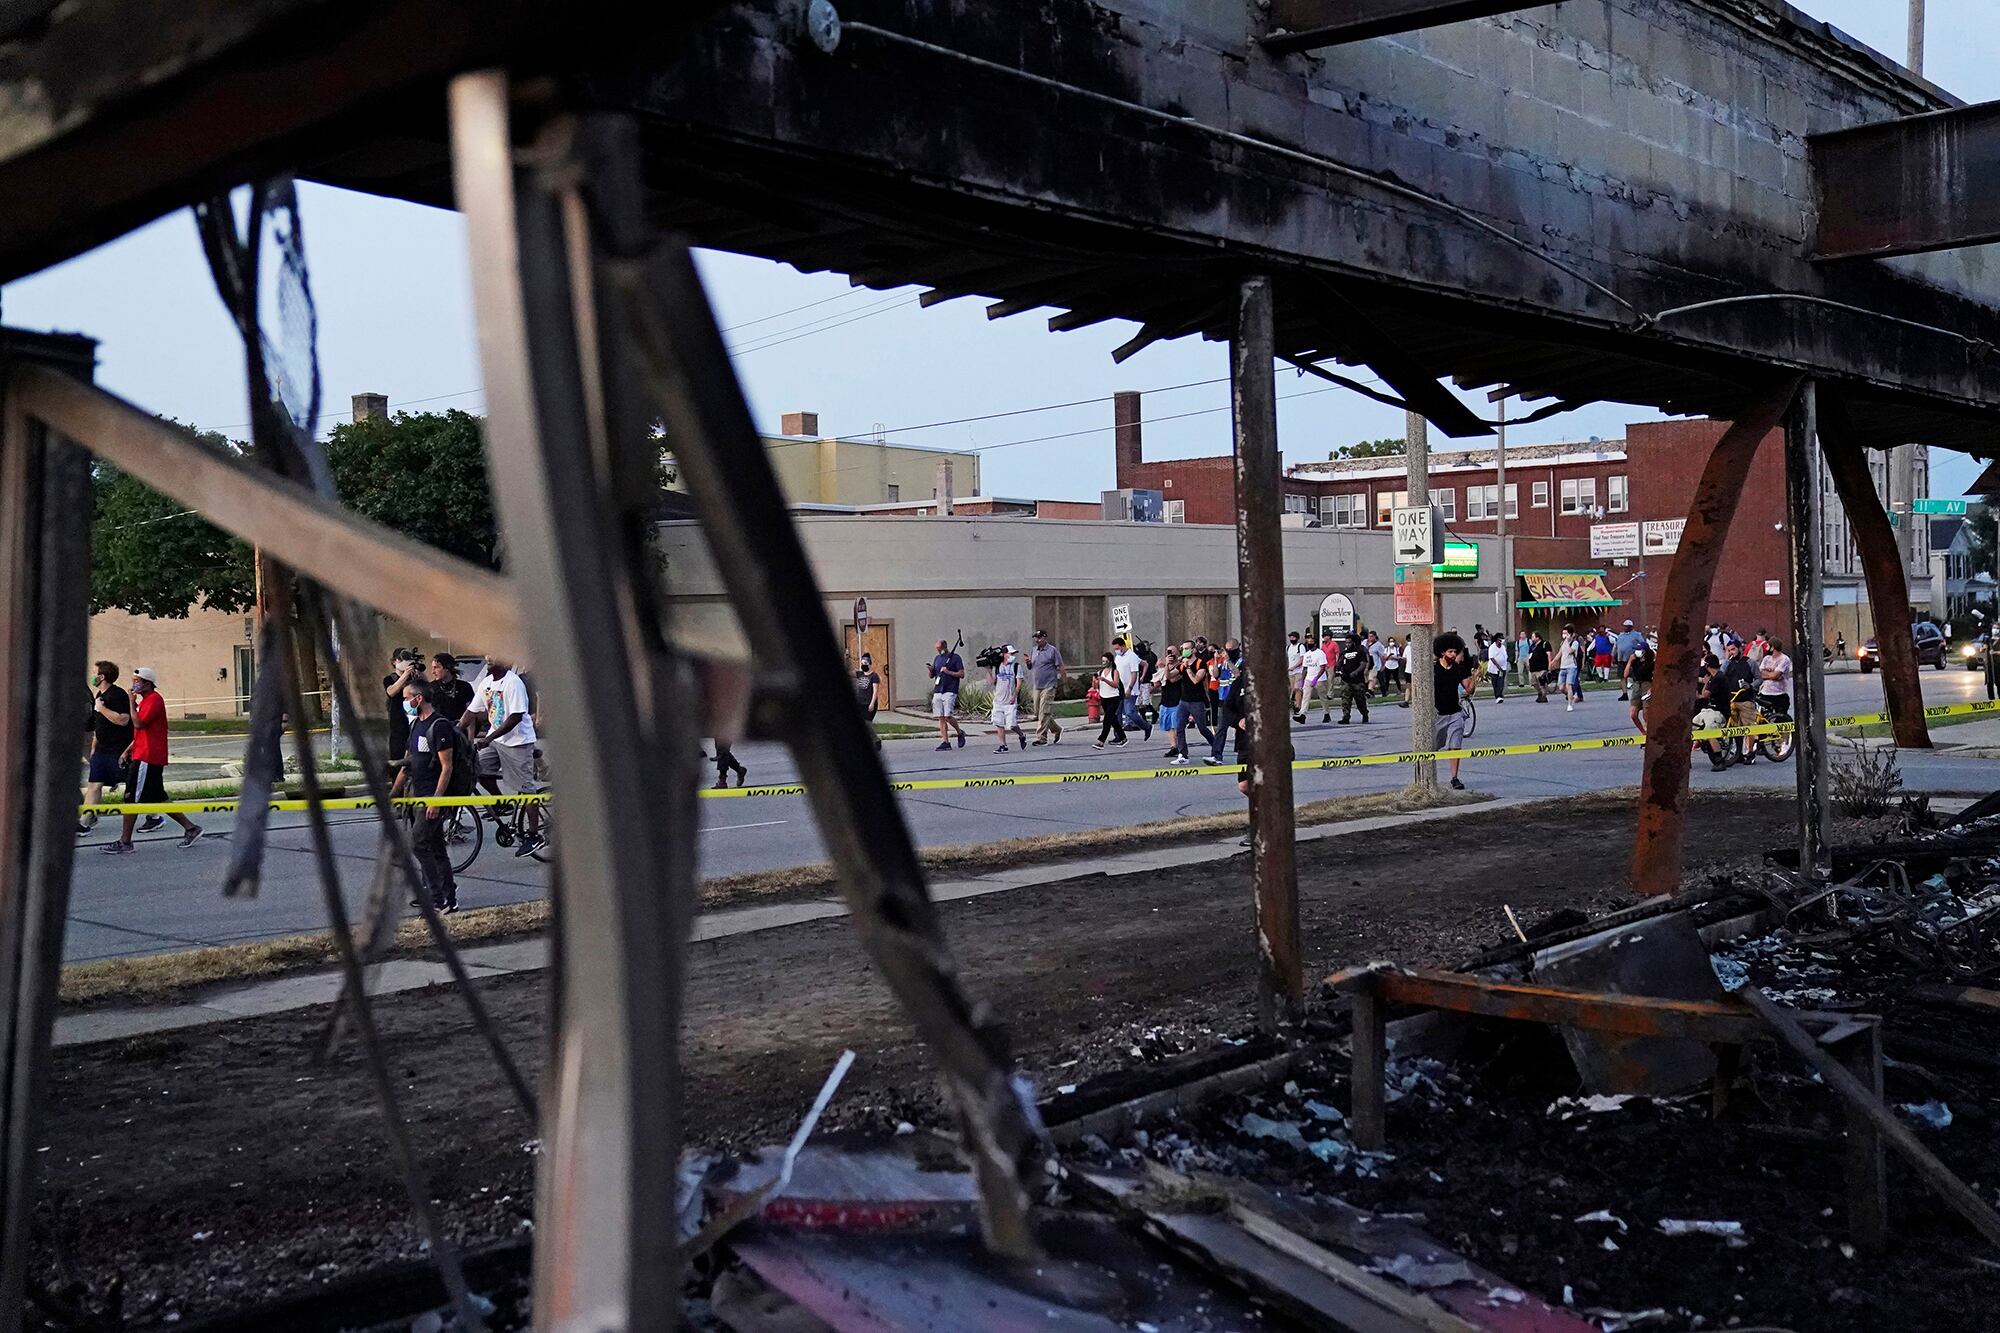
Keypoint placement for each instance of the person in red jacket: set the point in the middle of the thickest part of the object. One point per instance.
(146, 759)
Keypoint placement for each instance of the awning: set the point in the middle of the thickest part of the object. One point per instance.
(1557, 588)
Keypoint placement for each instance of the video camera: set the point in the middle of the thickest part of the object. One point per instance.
(991, 657)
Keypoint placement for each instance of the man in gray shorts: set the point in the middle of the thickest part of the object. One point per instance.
(501, 696)
(1449, 677)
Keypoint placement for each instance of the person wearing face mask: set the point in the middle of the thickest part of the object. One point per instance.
(146, 771)
(110, 733)
(1230, 692)
(430, 769)
(1351, 673)
(510, 738)
(868, 691)
(1447, 678)
(404, 667)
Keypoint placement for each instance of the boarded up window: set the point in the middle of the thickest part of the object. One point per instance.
(1079, 627)
(1205, 614)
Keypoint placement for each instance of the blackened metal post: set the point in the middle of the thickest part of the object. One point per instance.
(1260, 580)
(1882, 561)
(44, 564)
(1802, 515)
(1420, 659)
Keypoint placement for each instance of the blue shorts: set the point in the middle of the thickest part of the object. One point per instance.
(105, 768)
(1569, 676)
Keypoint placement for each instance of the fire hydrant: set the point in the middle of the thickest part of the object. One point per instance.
(1091, 707)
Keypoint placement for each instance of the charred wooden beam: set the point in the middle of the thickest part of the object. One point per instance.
(1413, 382)
(1901, 187)
(1260, 581)
(1663, 785)
(1306, 25)
(44, 565)
(1804, 517)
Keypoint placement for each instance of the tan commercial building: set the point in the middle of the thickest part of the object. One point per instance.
(997, 579)
(817, 469)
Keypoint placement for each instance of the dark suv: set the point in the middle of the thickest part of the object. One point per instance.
(1930, 649)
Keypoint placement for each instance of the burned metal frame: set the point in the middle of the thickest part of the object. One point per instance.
(1805, 541)
(1846, 1044)
(1663, 785)
(1307, 25)
(1906, 186)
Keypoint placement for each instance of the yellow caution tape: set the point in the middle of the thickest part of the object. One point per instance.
(1060, 779)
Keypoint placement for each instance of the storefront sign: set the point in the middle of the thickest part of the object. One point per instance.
(1461, 561)
(1336, 614)
(1661, 536)
(1611, 541)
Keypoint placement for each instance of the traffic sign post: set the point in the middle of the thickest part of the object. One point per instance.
(1943, 508)
(1121, 619)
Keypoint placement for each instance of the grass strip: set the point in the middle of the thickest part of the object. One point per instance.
(160, 978)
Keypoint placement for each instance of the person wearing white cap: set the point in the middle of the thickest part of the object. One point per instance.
(1007, 699)
(146, 760)
(1629, 641)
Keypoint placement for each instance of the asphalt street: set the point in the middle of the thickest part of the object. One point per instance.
(161, 898)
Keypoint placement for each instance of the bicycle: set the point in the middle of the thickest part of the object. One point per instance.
(1468, 692)
(1773, 708)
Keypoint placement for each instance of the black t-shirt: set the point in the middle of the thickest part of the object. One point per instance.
(399, 721)
(110, 736)
(429, 736)
(1641, 662)
(457, 698)
(1446, 680)
(864, 689)
(1538, 656)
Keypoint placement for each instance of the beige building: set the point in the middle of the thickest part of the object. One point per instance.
(816, 469)
(997, 579)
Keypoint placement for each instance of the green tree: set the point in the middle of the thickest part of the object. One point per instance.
(152, 557)
(423, 474)
(1371, 449)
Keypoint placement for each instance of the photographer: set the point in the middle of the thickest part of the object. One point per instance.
(947, 670)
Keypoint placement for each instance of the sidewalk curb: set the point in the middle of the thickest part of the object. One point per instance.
(309, 989)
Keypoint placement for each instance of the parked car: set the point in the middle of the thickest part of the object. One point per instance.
(1973, 653)
(1930, 649)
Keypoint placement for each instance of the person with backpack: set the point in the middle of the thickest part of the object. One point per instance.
(438, 763)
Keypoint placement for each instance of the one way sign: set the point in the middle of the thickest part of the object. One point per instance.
(1415, 529)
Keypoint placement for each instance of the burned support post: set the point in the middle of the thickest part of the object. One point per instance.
(606, 1249)
(1803, 516)
(1663, 786)
(44, 562)
(1260, 579)
(1888, 588)
(1420, 655)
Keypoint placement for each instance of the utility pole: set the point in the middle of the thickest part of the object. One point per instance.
(1915, 59)
(1421, 659)
(1902, 460)
(1505, 593)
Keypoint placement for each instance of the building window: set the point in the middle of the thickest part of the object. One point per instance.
(1579, 495)
(1326, 511)
(1298, 504)
(1175, 510)
(1513, 500)
(1538, 495)
(894, 492)
(1475, 501)
(1386, 502)
(1447, 504)
(1619, 502)
(1350, 511)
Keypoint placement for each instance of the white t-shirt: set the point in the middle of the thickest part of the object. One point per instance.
(1315, 663)
(1782, 682)
(1129, 667)
(501, 699)
(1392, 656)
(1006, 685)
(1496, 653)
(1295, 659)
(1566, 654)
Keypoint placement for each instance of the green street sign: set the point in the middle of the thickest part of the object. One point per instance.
(1949, 508)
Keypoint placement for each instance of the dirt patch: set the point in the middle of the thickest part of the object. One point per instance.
(215, 1167)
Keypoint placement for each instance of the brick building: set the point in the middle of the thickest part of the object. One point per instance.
(1553, 495)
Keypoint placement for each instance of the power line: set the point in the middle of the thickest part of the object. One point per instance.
(1047, 407)
(774, 340)
(1177, 416)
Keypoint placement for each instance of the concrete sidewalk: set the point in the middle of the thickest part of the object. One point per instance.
(528, 955)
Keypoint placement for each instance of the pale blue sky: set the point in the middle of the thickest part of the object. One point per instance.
(395, 310)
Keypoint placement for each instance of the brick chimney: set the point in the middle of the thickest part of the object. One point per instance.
(941, 488)
(799, 423)
(371, 407)
(1127, 450)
